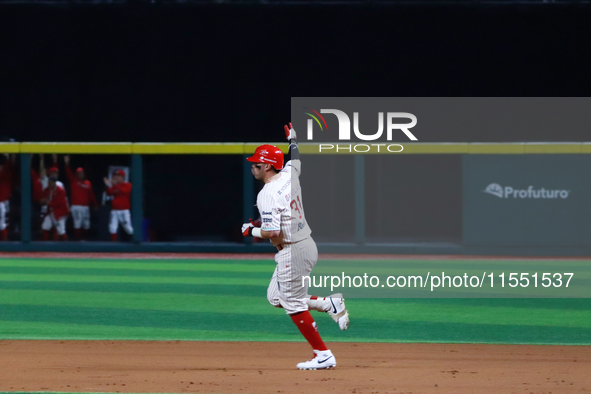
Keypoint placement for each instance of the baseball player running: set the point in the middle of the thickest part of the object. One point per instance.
(284, 224)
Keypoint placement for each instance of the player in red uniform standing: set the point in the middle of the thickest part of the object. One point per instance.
(82, 198)
(121, 192)
(57, 209)
(52, 171)
(6, 182)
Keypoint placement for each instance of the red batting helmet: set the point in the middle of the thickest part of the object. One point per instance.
(119, 172)
(268, 154)
(79, 169)
(53, 169)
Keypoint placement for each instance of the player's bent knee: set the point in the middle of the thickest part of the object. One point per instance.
(292, 311)
(274, 302)
(293, 307)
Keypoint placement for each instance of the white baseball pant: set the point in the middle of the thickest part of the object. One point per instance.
(120, 216)
(81, 216)
(49, 222)
(293, 262)
(2, 215)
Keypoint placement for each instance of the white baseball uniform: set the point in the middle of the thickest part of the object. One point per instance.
(122, 216)
(3, 212)
(49, 221)
(81, 216)
(280, 206)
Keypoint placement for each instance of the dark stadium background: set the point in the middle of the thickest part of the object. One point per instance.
(207, 73)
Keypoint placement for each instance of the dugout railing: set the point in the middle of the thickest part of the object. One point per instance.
(358, 245)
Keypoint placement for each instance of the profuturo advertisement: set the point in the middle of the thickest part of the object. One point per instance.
(526, 200)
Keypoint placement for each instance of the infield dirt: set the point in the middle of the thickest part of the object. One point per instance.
(269, 367)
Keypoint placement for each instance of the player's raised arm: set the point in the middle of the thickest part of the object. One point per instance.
(294, 150)
(69, 174)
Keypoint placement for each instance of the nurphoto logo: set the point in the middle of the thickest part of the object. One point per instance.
(392, 124)
(530, 193)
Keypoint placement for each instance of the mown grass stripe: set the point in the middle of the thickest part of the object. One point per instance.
(57, 330)
(172, 265)
(253, 305)
(327, 267)
(202, 280)
(365, 331)
(549, 305)
(368, 309)
(577, 304)
(249, 265)
(124, 272)
(235, 290)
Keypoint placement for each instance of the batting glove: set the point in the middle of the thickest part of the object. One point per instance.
(290, 133)
(247, 229)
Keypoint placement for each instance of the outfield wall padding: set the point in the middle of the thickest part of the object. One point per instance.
(526, 200)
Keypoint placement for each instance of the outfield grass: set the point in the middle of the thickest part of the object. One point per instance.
(226, 300)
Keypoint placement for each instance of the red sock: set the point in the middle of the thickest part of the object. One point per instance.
(77, 234)
(113, 237)
(45, 235)
(54, 234)
(4, 235)
(307, 327)
(64, 237)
